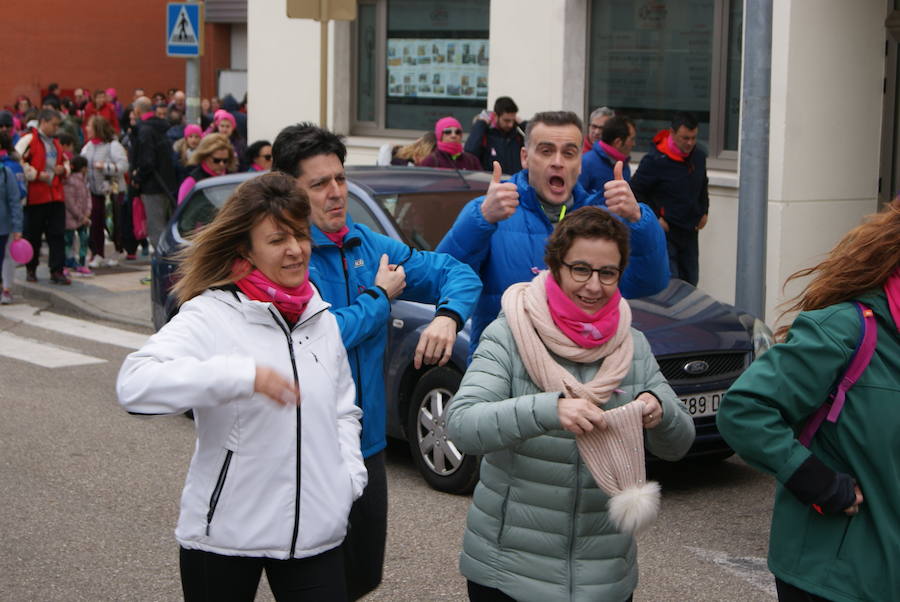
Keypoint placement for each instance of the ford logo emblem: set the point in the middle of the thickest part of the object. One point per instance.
(696, 367)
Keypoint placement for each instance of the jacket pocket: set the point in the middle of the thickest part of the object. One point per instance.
(502, 525)
(217, 490)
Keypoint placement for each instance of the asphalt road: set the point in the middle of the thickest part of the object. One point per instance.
(89, 498)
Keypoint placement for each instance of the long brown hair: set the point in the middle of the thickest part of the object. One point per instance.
(102, 128)
(863, 260)
(209, 261)
(213, 143)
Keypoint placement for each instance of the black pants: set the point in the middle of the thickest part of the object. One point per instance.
(482, 593)
(789, 593)
(47, 219)
(364, 545)
(208, 577)
(684, 253)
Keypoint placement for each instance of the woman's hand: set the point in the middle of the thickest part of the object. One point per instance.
(579, 416)
(854, 509)
(276, 387)
(652, 412)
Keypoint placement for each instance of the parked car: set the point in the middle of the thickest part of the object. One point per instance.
(701, 344)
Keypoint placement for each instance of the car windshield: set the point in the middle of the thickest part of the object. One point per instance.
(424, 218)
(202, 207)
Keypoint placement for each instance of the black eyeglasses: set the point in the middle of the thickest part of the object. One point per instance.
(219, 161)
(582, 272)
(456, 131)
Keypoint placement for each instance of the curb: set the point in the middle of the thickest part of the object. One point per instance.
(74, 304)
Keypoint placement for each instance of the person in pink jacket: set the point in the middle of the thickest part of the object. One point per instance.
(78, 215)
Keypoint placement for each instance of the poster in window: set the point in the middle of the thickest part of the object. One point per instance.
(437, 68)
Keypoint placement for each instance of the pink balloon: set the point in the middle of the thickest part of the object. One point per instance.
(21, 251)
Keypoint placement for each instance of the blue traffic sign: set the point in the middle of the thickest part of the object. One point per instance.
(184, 29)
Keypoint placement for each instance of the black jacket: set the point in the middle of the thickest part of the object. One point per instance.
(676, 190)
(490, 144)
(151, 158)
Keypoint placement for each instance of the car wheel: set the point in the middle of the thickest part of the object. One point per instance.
(442, 465)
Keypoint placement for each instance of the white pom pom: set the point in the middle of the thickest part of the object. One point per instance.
(635, 508)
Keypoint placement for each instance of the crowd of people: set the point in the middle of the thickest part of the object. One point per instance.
(90, 168)
(562, 396)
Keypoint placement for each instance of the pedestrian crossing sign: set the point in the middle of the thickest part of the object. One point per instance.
(184, 29)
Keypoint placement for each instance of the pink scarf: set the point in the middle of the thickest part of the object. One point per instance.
(454, 149)
(291, 302)
(612, 152)
(892, 290)
(337, 237)
(585, 330)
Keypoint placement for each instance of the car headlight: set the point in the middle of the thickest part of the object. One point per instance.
(760, 334)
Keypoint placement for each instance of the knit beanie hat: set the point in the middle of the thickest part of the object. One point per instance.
(192, 128)
(223, 114)
(615, 457)
(443, 123)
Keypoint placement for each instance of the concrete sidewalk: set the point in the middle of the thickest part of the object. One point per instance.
(113, 294)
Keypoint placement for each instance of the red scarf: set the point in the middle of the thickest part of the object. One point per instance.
(667, 146)
(892, 290)
(338, 237)
(584, 329)
(612, 152)
(97, 141)
(291, 302)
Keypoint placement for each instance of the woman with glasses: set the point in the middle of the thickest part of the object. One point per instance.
(214, 156)
(561, 398)
(259, 156)
(449, 153)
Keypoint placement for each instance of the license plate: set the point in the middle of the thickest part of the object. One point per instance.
(703, 404)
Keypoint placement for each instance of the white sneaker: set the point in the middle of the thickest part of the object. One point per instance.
(5, 298)
(110, 263)
(95, 262)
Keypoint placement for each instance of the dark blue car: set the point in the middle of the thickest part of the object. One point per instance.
(701, 345)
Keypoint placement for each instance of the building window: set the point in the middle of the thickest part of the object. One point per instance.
(651, 58)
(418, 61)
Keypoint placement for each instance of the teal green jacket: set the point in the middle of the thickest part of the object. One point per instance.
(537, 528)
(835, 556)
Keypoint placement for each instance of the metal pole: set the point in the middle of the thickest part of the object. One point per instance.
(323, 70)
(192, 89)
(750, 289)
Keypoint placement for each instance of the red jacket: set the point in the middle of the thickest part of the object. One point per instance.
(39, 192)
(107, 111)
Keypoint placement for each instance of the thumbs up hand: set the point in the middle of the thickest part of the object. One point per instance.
(501, 199)
(619, 198)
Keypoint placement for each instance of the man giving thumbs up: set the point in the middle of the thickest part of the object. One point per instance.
(502, 235)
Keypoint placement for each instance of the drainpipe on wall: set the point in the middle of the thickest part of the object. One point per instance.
(750, 289)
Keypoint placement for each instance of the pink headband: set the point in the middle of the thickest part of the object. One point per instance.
(192, 129)
(443, 124)
(223, 114)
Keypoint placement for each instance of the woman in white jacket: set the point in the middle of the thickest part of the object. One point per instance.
(256, 355)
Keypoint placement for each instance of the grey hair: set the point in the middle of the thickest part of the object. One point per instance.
(601, 112)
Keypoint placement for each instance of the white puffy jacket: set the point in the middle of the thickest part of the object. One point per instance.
(266, 479)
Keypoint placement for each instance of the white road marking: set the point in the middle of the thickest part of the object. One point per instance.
(749, 568)
(42, 354)
(82, 329)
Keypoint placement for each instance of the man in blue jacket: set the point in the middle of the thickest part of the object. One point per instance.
(359, 272)
(614, 145)
(502, 235)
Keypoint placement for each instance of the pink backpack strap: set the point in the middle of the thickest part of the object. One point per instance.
(862, 355)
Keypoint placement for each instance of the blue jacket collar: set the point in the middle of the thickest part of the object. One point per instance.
(320, 240)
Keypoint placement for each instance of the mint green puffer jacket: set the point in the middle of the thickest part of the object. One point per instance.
(537, 528)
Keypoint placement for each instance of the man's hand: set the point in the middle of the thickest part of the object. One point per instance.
(276, 387)
(663, 224)
(854, 509)
(651, 414)
(436, 343)
(501, 199)
(579, 416)
(392, 278)
(619, 198)
(702, 223)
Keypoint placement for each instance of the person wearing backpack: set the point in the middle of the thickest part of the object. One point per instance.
(835, 527)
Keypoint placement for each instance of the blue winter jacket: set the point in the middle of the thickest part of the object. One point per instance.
(10, 202)
(512, 251)
(345, 278)
(15, 167)
(597, 169)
